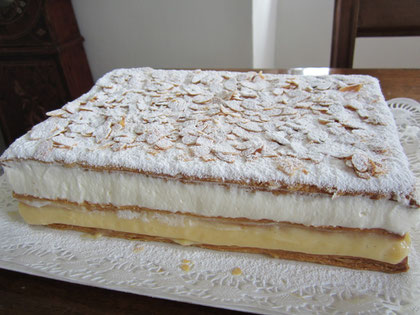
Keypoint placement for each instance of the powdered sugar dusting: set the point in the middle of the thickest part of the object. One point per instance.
(332, 132)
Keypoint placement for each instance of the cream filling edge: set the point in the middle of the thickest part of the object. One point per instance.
(79, 185)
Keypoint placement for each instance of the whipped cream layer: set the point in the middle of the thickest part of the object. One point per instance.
(80, 185)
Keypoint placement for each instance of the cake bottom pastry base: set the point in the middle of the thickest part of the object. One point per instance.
(352, 248)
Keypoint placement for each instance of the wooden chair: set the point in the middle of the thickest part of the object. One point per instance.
(370, 18)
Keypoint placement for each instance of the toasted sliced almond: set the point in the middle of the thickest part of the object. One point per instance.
(193, 89)
(122, 122)
(377, 169)
(289, 166)
(102, 132)
(163, 144)
(248, 93)
(197, 77)
(57, 113)
(351, 88)
(234, 105)
(208, 158)
(118, 146)
(64, 141)
(202, 98)
(189, 140)
(250, 126)
(200, 150)
(230, 85)
(71, 107)
(360, 162)
(224, 157)
(278, 137)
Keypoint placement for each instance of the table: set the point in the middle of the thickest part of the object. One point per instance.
(21, 293)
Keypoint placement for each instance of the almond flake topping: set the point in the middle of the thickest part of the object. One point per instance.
(57, 113)
(233, 125)
(351, 88)
(193, 90)
(250, 126)
(202, 98)
(289, 166)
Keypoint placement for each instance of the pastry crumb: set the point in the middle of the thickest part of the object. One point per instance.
(14, 215)
(138, 248)
(92, 236)
(236, 271)
(186, 265)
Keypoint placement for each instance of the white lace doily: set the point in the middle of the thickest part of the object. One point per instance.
(266, 285)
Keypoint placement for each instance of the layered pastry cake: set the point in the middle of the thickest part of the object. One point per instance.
(306, 168)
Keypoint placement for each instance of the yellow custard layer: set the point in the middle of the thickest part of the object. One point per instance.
(186, 230)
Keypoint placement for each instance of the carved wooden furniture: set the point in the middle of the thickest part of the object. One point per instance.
(42, 62)
(370, 18)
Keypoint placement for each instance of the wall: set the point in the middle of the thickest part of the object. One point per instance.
(304, 30)
(303, 39)
(264, 29)
(396, 52)
(224, 34)
(166, 34)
